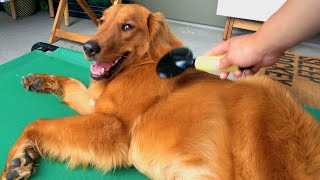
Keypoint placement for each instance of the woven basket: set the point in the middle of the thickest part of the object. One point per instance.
(23, 7)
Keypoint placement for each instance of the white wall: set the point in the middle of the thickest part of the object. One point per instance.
(196, 11)
(258, 10)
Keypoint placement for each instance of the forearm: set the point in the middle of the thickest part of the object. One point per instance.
(294, 22)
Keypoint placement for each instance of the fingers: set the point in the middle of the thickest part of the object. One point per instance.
(237, 74)
(248, 72)
(256, 68)
(222, 49)
(219, 49)
(224, 75)
(252, 71)
(224, 62)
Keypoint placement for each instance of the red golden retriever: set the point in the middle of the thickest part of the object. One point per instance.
(193, 126)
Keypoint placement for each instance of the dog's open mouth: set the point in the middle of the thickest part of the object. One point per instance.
(101, 70)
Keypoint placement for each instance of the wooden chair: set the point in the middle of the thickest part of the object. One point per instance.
(241, 24)
(57, 32)
(66, 12)
(51, 11)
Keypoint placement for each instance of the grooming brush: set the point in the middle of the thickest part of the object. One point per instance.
(178, 60)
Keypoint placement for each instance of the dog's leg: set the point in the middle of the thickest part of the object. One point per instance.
(74, 93)
(99, 140)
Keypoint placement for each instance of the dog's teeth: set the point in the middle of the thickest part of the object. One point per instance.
(102, 70)
(119, 58)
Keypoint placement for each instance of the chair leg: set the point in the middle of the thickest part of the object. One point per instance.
(57, 20)
(51, 9)
(66, 16)
(228, 28)
(116, 2)
(13, 9)
(56, 28)
(84, 5)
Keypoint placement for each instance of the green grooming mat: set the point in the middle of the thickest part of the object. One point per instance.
(313, 111)
(20, 107)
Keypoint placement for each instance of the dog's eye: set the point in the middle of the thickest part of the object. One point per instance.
(127, 27)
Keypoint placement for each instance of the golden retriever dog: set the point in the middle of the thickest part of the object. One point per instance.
(193, 126)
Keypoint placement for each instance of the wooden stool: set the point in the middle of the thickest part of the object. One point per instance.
(13, 9)
(57, 32)
(14, 13)
(241, 24)
(66, 13)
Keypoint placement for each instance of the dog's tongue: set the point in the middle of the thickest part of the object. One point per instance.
(98, 68)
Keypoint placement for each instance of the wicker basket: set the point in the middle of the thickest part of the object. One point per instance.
(23, 7)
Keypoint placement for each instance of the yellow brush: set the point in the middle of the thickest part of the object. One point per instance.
(209, 64)
(178, 60)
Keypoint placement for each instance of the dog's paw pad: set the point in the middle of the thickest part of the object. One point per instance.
(15, 163)
(32, 83)
(12, 175)
(23, 166)
(36, 84)
(18, 174)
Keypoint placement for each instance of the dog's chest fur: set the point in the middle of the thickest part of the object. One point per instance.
(131, 93)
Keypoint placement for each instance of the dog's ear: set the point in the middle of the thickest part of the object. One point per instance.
(161, 39)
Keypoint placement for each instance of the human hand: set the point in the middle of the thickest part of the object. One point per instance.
(244, 51)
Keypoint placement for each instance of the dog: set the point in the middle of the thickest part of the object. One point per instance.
(192, 126)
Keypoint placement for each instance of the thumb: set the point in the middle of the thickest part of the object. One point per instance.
(224, 62)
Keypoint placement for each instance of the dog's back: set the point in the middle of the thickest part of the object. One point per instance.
(212, 129)
(273, 137)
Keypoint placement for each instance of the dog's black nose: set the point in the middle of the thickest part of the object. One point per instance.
(91, 48)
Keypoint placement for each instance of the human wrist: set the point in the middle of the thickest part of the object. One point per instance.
(267, 45)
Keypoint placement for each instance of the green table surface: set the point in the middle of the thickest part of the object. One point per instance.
(20, 107)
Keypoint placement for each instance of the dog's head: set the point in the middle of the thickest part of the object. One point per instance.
(127, 35)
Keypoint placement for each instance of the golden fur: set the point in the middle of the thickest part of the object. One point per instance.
(193, 126)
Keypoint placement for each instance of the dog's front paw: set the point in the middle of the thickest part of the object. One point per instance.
(32, 82)
(41, 83)
(22, 166)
